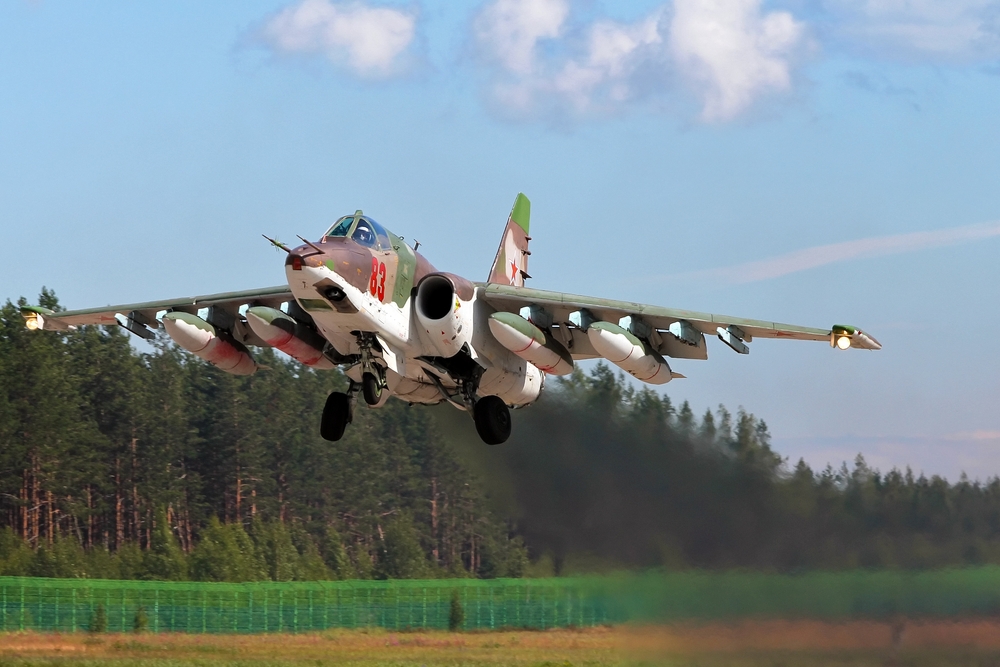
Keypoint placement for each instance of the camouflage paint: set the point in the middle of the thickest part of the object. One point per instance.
(511, 264)
(406, 270)
(356, 263)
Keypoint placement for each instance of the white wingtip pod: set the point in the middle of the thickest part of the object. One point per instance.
(628, 353)
(200, 339)
(530, 343)
(282, 332)
(843, 336)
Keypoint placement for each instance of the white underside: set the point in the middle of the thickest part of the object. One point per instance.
(408, 377)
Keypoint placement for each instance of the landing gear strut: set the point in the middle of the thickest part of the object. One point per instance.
(373, 375)
(337, 414)
(492, 419)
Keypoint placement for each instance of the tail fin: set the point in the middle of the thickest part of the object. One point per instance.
(511, 264)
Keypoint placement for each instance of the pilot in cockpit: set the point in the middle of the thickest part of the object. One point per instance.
(364, 235)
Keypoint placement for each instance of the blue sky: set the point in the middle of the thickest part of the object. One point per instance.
(812, 163)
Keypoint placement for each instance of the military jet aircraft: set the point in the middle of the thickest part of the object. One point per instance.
(363, 299)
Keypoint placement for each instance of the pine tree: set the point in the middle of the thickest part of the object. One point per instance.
(15, 554)
(274, 548)
(164, 560)
(402, 557)
(226, 553)
(335, 555)
(456, 613)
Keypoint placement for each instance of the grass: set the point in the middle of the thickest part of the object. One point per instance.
(966, 643)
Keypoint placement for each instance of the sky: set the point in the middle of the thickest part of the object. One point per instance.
(832, 161)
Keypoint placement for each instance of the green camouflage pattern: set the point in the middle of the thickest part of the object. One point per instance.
(511, 264)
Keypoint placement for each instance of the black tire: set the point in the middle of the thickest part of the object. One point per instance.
(492, 419)
(336, 416)
(371, 388)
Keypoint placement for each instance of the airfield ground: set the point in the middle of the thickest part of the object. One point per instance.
(744, 644)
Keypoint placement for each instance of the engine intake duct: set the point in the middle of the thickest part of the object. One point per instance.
(443, 306)
(435, 298)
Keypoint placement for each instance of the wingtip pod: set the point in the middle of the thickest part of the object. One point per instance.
(36, 318)
(530, 343)
(201, 339)
(843, 336)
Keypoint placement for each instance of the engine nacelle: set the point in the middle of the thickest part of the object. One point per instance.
(201, 339)
(515, 387)
(443, 307)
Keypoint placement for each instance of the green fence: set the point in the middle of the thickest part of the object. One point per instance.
(71, 604)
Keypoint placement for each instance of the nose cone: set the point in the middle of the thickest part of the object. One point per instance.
(351, 264)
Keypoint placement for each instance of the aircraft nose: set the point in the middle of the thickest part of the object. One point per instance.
(309, 255)
(337, 257)
(294, 260)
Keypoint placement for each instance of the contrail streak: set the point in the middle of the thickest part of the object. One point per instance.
(811, 258)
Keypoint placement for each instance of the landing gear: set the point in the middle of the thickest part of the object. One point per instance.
(373, 374)
(336, 416)
(371, 388)
(492, 419)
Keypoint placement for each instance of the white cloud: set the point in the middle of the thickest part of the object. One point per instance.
(729, 50)
(936, 30)
(733, 52)
(509, 30)
(614, 50)
(824, 255)
(368, 40)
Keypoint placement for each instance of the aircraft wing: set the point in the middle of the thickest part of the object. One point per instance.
(673, 332)
(135, 317)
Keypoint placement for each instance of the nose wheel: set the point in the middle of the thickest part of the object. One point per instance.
(371, 388)
(492, 417)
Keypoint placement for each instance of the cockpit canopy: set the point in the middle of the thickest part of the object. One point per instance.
(362, 230)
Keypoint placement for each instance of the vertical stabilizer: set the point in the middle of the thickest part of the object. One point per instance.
(511, 264)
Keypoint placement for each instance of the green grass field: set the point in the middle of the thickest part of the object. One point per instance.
(970, 642)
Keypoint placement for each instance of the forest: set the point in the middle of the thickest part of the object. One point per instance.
(117, 463)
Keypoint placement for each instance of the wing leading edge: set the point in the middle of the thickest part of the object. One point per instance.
(672, 332)
(137, 316)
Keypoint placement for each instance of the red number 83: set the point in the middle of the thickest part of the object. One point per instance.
(377, 283)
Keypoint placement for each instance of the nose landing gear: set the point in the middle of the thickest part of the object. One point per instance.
(371, 388)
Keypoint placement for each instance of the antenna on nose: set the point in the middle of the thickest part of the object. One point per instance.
(310, 244)
(277, 244)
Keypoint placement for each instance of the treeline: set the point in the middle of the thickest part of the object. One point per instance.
(116, 463)
(105, 449)
(601, 475)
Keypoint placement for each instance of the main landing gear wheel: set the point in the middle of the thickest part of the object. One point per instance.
(371, 387)
(336, 416)
(492, 419)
